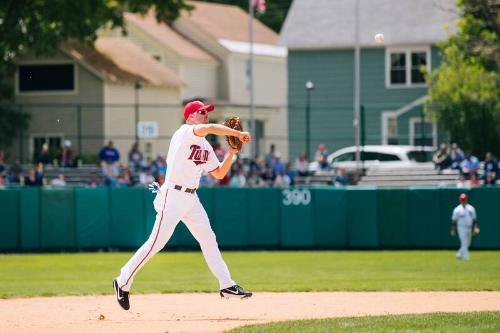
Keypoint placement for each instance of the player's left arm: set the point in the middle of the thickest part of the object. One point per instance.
(218, 129)
(224, 167)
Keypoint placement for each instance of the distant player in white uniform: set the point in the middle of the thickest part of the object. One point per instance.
(464, 220)
(189, 155)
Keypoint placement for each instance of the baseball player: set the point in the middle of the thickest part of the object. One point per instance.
(464, 220)
(188, 156)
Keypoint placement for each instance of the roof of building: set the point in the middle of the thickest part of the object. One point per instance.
(331, 23)
(168, 36)
(227, 22)
(119, 60)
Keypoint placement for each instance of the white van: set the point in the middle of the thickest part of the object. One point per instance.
(377, 156)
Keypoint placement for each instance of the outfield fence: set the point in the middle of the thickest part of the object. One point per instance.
(49, 219)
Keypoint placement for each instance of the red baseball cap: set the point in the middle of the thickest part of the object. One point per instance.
(462, 197)
(194, 106)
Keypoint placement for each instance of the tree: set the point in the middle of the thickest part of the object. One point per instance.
(41, 25)
(464, 93)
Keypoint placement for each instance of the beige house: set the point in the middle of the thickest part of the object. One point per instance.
(222, 30)
(88, 97)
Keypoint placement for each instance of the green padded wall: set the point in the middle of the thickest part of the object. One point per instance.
(362, 227)
(58, 228)
(127, 217)
(330, 217)
(263, 224)
(393, 218)
(297, 216)
(30, 218)
(487, 202)
(10, 221)
(424, 219)
(92, 219)
(231, 214)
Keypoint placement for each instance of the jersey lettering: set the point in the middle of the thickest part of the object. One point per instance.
(198, 155)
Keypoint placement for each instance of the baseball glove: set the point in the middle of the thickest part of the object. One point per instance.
(475, 231)
(232, 141)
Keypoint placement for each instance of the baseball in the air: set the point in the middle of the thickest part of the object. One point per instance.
(379, 38)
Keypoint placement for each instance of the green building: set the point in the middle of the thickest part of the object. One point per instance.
(321, 36)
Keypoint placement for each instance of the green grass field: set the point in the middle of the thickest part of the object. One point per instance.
(168, 272)
(435, 322)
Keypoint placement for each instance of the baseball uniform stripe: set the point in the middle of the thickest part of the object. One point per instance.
(152, 245)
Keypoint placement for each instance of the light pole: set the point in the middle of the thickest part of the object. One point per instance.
(137, 87)
(356, 84)
(309, 87)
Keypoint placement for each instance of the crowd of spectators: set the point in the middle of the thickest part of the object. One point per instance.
(268, 170)
(472, 172)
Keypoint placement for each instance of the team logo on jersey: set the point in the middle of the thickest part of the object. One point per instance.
(198, 155)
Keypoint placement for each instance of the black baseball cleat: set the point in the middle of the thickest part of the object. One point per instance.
(235, 292)
(121, 296)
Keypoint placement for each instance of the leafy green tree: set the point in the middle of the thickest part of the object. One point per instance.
(465, 90)
(41, 25)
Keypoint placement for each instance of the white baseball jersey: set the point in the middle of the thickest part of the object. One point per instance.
(464, 215)
(188, 156)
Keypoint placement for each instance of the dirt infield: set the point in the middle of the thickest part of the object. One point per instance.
(208, 313)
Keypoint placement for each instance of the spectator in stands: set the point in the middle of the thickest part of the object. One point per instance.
(236, 167)
(255, 180)
(282, 180)
(290, 172)
(441, 158)
(490, 179)
(456, 156)
(160, 166)
(34, 178)
(469, 166)
(95, 181)
(257, 165)
(238, 179)
(160, 179)
(43, 156)
(126, 179)
(135, 158)
(302, 165)
(340, 178)
(321, 156)
(145, 177)
(462, 183)
(268, 176)
(2, 181)
(270, 155)
(15, 175)
(59, 181)
(65, 156)
(490, 165)
(474, 180)
(109, 157)
(277, 165)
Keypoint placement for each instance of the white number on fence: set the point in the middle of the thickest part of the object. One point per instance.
(296, 197)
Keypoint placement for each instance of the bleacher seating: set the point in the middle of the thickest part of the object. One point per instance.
(419, 174)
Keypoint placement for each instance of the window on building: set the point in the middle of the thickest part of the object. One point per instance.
(404, 67)
(418, 59)
(398, 68)
(46, 77)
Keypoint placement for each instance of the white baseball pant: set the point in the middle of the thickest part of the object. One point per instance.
(171, 207)
(465, 234)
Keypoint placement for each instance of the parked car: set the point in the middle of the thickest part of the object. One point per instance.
(377, 156)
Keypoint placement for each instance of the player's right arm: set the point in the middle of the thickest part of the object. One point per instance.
(218, 129)
(224, 167)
